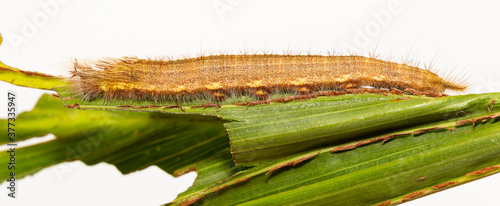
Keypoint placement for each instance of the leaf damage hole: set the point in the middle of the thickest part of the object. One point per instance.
(388, 202)
(66, 98)
(75, 105)
(421, 178)
(191, 201)
(384, 139)
(474, 120)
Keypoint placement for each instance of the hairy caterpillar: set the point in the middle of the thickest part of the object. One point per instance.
(219, 76)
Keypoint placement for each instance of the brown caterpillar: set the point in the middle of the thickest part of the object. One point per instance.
(219, 76)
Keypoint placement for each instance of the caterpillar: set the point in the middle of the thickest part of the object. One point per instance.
(258, 75)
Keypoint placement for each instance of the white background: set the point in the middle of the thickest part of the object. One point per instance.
(46, 35)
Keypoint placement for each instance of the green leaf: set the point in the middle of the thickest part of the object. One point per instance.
(129, 140)
(299, 126)
(258, 137)
(371, 174)
(29, 79)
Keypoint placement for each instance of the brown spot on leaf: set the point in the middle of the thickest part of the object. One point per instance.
(125, 106)
(427, 129)
(191, 201)
(443, 185)
(292, 98)
(242, 180)
(412, 195)
(433, 94)
(304, 158)
(396, 91)
(28, 72)
(369, 141)
(483, 171)
(388, 202)
(384, 138)
(415, 92)
(67, 98)
(355, 91)
(265, 74)
(75, 105)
